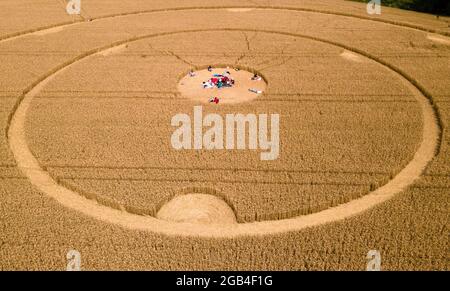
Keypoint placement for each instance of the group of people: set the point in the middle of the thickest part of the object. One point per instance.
(223, 80)
(218, 81)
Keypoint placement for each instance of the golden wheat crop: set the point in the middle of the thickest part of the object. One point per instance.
(101, 128)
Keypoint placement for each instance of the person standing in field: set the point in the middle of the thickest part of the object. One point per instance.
(207, 85)
(256, 77)
(214, 100)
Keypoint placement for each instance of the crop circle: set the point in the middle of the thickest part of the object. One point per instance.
(40, 178)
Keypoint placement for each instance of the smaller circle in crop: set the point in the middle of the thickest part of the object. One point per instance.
(222, 85)
(197, 208)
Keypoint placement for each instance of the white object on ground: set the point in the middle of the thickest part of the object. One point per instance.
(255, 91)
(208, 85)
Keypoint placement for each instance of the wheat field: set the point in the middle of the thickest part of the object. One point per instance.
(86, 161)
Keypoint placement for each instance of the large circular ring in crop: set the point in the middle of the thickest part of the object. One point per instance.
(44, 182)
